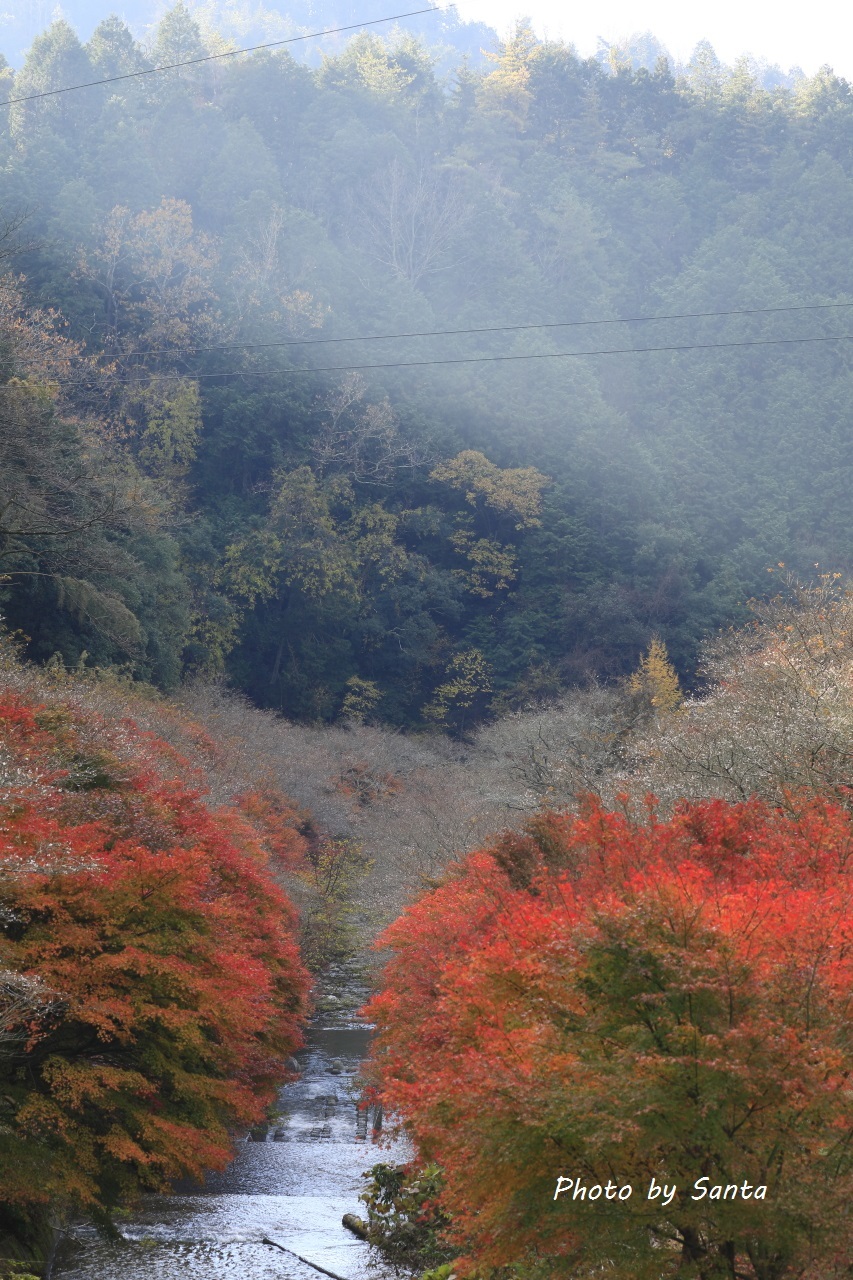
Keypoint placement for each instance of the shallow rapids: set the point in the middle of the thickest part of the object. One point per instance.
(280, 1200)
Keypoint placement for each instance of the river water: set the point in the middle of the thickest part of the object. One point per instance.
(275, 1212)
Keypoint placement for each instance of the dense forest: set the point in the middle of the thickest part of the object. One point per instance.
(223, 486)
(425, 495)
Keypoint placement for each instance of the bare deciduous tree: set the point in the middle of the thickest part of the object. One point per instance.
(362, 437)
(409, 219)
(778, 715)
(24, 1002)
(552, 754)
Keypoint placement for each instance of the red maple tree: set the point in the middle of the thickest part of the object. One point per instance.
(616, 1002)
(166, 986)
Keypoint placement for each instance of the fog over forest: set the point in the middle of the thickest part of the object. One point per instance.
(368, 541)
(425, 473)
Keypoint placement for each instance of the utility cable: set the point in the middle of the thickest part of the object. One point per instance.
(548, 355)
(213, 57)
(498, 328)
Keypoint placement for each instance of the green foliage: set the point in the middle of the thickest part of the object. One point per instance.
(88, 563)
(404, 1220)
(300, 532)
(328, 931)
(14, 1270)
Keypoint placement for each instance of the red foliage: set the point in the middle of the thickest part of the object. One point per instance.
(366, 785)
(281, 824)
(170, 989)
(603, 999)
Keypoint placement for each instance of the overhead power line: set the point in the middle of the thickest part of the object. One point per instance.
(547, 355)
(496, 328)
(214, 57)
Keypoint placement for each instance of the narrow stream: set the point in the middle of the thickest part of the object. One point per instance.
(280, 1200)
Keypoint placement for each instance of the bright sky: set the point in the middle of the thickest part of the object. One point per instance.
(806, 35)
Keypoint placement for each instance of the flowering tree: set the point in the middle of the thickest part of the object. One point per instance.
(635, 1004)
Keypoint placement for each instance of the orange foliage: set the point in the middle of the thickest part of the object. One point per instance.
(281, 824)
(366, 785)
(603, 999)
(168, 988)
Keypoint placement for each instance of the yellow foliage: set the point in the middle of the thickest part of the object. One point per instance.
(657, 679)
(512, 491)
(469, 675)
(508, 85)
(315, 538)
(45, 392)
(173, 410)
(493, 567)
(361, 699)
(155, 268)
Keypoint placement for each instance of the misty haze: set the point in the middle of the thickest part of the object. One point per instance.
(425, 481)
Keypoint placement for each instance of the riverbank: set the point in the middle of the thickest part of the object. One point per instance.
(275, 1212)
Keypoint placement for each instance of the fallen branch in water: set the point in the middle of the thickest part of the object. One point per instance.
(333, 1274)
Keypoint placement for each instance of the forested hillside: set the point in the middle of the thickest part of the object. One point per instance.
(245, 24)
(201, 475)
(425, 488)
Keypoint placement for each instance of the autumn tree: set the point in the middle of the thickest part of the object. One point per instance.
(62, 492)
(303, 544)
(616, 1002)
(513, 492)
(464, 690)
(333, 545)
(506, 87)
(152, 271)
(150, 982)
(774, 716)
(539, 189)
(655, 682)
(500, 503)
(81, 532)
